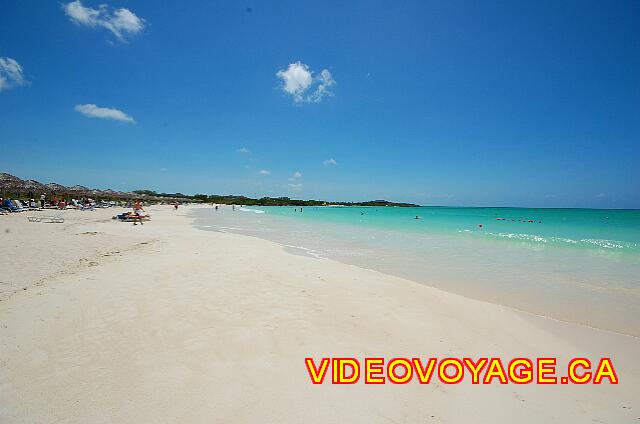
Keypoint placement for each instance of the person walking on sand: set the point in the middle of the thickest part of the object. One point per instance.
(137, 212)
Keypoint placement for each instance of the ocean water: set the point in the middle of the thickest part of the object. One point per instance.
(576, 265)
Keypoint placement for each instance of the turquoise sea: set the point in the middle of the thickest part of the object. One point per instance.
(607, 229)
(577, 265)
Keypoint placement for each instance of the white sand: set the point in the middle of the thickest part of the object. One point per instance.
(106, 322)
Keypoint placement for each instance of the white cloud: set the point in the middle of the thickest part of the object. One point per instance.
(296, 187)
(325, 81)
(295, 176)
(244, 151)
(264, 172)
(298, 81)
(121, 22)
(93, 111)
(330, 161)
(11, 74)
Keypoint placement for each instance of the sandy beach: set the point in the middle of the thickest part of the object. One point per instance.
(101, 321)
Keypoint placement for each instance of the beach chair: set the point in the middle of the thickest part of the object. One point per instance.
(130, 217)
(53, 219)
(21, 206)
(10, 206)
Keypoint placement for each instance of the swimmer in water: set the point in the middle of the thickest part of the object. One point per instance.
(417, 217)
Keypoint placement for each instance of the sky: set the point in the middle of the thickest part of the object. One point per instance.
(527, 103)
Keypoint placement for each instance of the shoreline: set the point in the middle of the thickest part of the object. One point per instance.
(304, 252)
(523, 278)
(181, 322)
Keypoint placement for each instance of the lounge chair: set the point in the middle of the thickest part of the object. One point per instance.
(130, 217)
(10, 206)
(55, 219)
(21, 206)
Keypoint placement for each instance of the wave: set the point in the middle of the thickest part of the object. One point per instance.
(250, 210)
(599, 243)
(611, 244)
(305, 250)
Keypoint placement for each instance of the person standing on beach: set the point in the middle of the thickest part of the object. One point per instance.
(137, 212)
(43, 197)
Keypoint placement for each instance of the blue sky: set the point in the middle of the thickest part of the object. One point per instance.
(447, 103)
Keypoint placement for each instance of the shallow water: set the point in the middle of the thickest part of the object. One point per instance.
(575, 265)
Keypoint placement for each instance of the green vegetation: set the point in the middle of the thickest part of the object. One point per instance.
(265, 201)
